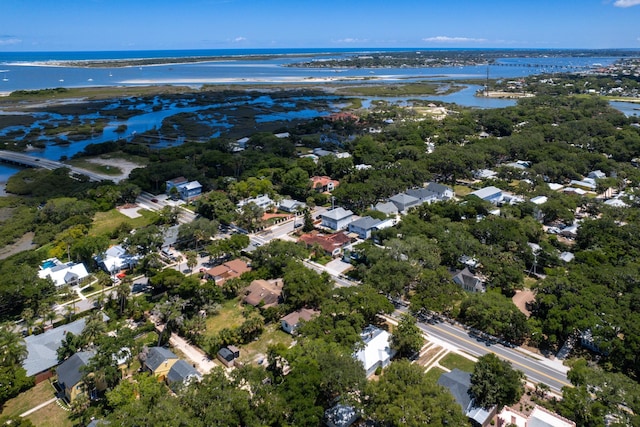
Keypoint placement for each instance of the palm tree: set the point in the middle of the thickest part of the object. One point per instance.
(123, 291)
(29, 319)
(12, 348)
(93, 327)
(170, 312)
(70, 309)
(192, 260)
(104, 280)
(50, 316)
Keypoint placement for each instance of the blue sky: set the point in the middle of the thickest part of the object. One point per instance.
(77, 25)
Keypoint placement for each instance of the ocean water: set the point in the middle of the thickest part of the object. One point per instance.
(40, 70)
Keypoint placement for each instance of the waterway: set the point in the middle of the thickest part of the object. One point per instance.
(37, 71)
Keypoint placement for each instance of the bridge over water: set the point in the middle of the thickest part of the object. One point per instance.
(25, 160)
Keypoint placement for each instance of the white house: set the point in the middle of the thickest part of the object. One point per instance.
(377, 351)
(263, 201)
(337, 219)
(60, 273)
(443, 192)
(291, 206)
(291, 321)
(538, 417)
(115, 259)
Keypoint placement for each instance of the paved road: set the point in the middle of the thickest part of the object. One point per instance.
(537, 368)
(40, 162)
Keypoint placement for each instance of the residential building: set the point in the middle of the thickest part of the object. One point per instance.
(116, 259)
(597, 174)
(332, 244)
(181, 374)
(337, 219)
(291, 321)
(387, 208)
(159, 362)
(263, 201)
(42, 349)
(485, 174)
(291, 206)
(443, 192)
(323, 183)
(539, 200)
(228, 270)
(490, 194)
(191, 190)
(585, 184)
(377, 351)
(187, 190)
(468, 281)
(539, 417)
(263, 293)
(404, 201)
(423, 195)
(70, 374)
(364, 226)
(458, 383)
(60, 273)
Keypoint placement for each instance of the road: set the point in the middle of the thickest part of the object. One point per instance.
(537, 368)
(40, 162)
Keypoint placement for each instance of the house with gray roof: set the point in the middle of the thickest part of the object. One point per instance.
(70, 374)
(386, 208)
(422, 194)
(159, 361)
(181, 373)
(490, 194)
(291, 206)
(337, 219)
(364, 226)
(459, 384)
(443, 192)
(42, 349)
(404, 201)
(468, 281)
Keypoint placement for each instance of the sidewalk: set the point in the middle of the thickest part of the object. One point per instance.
(40, 406)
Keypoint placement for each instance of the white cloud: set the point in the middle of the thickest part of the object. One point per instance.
(6, 41)
(447, 39)
(626, 3)
(352, 40)
(240, 39)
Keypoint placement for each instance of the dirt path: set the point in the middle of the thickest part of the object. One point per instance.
(124, 165)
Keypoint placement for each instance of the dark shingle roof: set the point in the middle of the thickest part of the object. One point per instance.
(458, 383)
(69, 372)
(181, 371)
(157, 356)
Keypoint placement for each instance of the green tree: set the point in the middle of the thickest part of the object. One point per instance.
(407, 338)
(12, 348)
(495, 382)
(308, 222)
(403, 396)
(304, 287)
(192, 259)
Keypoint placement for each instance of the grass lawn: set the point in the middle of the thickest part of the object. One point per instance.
(230, 316)
(461, 190)
(106, 222)
(271, 335)
(51, 416)
(453, 360)
(29, 399)
(434, 373)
